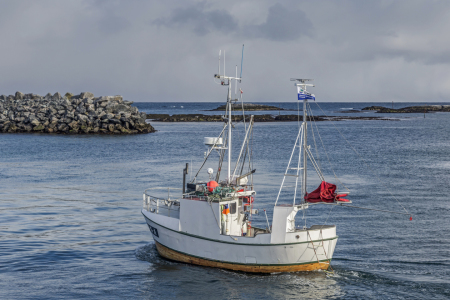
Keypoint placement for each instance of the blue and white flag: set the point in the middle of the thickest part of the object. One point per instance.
(304, 95)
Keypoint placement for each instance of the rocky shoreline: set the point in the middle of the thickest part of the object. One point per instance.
(410, 109)
(248, 107)
(257, 118)
(70, 114)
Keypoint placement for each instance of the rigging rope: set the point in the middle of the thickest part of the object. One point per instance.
(326, 154)
(314, 138)
(364, 161)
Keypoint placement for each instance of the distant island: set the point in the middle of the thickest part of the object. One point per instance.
(410, 109)
(257, 118)
(248, 107)
(70, 114)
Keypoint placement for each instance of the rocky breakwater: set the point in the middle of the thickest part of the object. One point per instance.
(410, 109)
(70, 114)
(249, 107)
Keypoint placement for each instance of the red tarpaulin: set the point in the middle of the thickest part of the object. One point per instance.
(326, 192)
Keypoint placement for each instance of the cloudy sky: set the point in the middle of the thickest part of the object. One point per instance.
(168, 50)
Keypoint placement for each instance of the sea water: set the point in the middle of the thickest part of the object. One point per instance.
(71, 226)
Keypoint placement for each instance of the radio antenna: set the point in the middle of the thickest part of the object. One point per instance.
(242, 61)
(235, 85)
(220, 53)
(224, 63)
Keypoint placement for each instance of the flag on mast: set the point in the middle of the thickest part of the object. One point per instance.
(304, 95)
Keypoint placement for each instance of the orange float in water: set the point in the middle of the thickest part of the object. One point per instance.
(212, 185)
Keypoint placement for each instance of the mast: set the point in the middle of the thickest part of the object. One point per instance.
(229, 133)
(227, 80)
(305, 144)
(304, 95)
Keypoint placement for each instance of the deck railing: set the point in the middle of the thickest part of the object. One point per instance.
(169, 206)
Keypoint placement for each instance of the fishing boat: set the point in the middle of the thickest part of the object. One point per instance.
(209, 222)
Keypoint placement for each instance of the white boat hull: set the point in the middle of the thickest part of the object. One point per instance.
(312, 250)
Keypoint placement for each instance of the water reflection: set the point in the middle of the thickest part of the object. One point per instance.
(225, 284)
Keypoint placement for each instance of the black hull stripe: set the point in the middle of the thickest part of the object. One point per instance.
(256, 265)
(225, 242)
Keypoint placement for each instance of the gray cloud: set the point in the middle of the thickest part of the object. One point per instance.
(167, 50)
(201, 20)
(282, 24)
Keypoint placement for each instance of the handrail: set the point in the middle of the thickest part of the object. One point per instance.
(154, 204)
(161, 188)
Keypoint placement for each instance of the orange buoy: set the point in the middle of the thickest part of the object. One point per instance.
(212, 185)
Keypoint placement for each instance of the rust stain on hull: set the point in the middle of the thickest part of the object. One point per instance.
(177, 256)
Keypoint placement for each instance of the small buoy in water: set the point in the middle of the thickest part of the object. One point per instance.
(410, 218)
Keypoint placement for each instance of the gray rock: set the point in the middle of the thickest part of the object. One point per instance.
(63, 127)
(82, 118)
(109, 116)
(81, 109)
(18, 96)
(125, 114)
(88, 101)
(66, 103)
(74, 124)
(70, 114)
(90, 107)
(56, 97)
(115, 107)
(86, 95)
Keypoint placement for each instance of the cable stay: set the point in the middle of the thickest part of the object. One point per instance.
(305, 154)
(366, 165)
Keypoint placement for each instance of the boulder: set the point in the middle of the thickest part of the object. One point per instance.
(18, 96)
(35, 122)
(85, 95)
(38, 128)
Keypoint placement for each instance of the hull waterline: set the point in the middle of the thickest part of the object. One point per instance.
(251, 268)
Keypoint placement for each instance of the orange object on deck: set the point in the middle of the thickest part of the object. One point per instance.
(212, 185)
